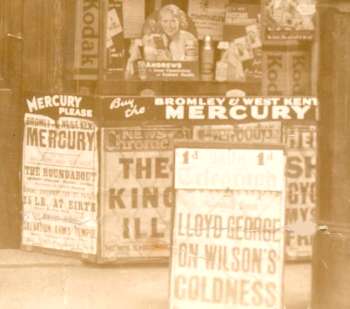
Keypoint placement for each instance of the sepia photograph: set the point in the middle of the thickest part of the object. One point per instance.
(174, 154)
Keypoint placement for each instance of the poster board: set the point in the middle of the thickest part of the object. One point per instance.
(59, 184)
(228, 229)
(60, 173)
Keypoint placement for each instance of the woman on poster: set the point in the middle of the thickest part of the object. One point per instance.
(169, 35)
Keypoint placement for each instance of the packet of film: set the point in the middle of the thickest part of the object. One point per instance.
(253, 36)
(243, 49)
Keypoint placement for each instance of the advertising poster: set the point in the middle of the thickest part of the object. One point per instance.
(137, 191)
(228, 232)
(86, 40)
(301, 189)
(115, 50)
(170, 46)
(286, 72)
(210, 110)
(289, 19)
(60, 184)
(242, 30)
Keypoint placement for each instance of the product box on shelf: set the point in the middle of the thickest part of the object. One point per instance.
(289, 19)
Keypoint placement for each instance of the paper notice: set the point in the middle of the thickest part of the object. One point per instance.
(134, 17)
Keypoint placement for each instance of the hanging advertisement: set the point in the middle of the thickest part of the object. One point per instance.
(136, 191)
(289, 19)
(60, 183)
(301, 189)
(228, 230)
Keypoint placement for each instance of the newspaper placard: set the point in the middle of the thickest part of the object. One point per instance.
(269, 133)
(289, 19)
(60, 183)
(137, 191)
(228, 239)
(301, 189)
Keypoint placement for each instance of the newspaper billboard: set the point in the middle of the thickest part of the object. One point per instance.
(228, 230)
(301, 143)
(137, 191)
(60, 183)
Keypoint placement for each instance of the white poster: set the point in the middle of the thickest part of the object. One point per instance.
(228, 239)
(134, 18)
(60, 177)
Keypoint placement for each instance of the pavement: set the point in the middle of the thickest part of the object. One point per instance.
(30, 280)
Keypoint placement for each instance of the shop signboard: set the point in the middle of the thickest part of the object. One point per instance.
(228, 229)
(59, 176)
(209, 109)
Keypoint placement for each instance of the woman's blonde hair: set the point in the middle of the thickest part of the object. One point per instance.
(153, 25)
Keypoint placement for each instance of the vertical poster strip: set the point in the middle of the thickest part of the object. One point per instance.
(86, 40)
(137, 191)
(301, 189)
(60, 184)
(114, 40)
(228, 237)
(275, 74)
